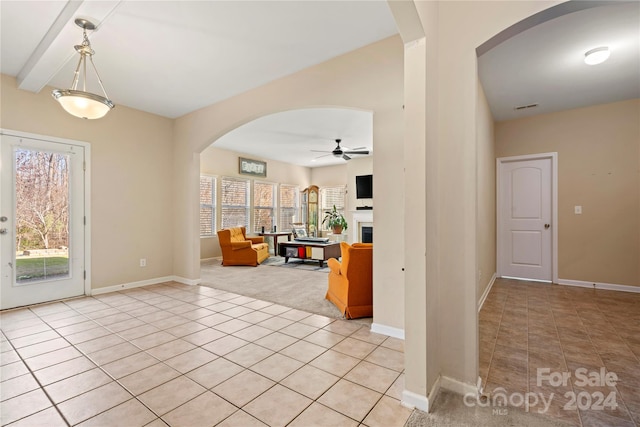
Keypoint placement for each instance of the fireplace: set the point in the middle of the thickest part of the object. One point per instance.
(362, 227)
(366, 234)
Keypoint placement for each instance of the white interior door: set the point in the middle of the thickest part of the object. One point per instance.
(41, 221)
(525, 218)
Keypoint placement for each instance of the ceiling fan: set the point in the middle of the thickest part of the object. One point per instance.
(342, 151)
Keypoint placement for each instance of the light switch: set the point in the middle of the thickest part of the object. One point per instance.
(577, 210)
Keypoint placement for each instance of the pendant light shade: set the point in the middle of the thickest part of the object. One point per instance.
(81, 103)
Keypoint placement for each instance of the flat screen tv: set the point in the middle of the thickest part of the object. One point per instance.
(364, 187)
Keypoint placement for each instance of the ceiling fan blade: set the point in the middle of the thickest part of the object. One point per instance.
(356, 152)
(344, 156)
(319, 157)
(354, 149)
(320, 151)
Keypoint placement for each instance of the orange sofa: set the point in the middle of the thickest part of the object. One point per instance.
(238, 249)
(351, 280)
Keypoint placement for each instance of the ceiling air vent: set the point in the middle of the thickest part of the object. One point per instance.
(526, 107)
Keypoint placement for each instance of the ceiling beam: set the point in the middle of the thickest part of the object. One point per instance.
(407, 20)
(56, 47)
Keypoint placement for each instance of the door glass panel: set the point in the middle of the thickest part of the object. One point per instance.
(42, 215)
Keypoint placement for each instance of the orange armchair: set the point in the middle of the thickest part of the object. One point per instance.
(351, 281)
(238, 249)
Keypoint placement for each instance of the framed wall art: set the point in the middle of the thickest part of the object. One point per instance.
(252, 167)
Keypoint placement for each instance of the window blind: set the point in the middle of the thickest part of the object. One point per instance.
(330, 196)
(234, 202)
(289, 205)
(263, 206)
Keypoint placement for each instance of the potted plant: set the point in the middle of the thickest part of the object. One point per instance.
(335, 221)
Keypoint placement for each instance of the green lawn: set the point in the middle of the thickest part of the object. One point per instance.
(40, 268)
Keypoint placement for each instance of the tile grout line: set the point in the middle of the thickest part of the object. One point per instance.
(97, 322)
(495, 343)
(564, 358)
(92, 361)
(37, 380)
(102, 370)
(603, 364)
(308, 364)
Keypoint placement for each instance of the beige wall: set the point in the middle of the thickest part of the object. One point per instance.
(598, 162)
(329, 175)
(131, 181)
(358, 166)
(486, 183)
(217, 161)
(220, 162)
(370, 79)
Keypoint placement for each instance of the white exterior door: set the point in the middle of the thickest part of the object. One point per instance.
(525, 212)
(42, 221)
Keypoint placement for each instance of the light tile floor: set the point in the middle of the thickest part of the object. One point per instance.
(180, 355)
(525, 326)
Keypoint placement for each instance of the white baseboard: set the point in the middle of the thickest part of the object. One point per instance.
(485, 294)
(431, 397)
(142, 283)
(458, 386)
(414, 400)
(387, 330)
(599, 285)
(184, 281)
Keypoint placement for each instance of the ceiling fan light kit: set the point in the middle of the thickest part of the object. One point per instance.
(597, 55)
(81, 103)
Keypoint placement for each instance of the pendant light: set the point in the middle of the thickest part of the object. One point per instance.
(81, 103)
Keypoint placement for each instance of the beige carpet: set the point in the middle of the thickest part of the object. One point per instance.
(449, 410)
(295, 287)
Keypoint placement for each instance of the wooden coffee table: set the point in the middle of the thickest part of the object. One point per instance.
(318, 251)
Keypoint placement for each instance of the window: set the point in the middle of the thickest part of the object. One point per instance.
(264, 206)
(234, 202)
(289, 205)
(330, 196)
(207, 205)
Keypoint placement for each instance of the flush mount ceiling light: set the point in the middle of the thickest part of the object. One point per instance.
(597, 55)
(81, 103)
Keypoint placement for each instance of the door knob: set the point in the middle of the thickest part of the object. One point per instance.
(547, 225)
(3, 231)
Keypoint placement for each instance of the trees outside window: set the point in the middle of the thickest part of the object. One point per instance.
(42, 200)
